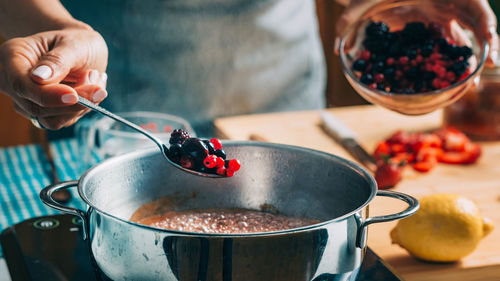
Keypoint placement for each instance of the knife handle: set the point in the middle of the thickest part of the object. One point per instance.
(336, 127)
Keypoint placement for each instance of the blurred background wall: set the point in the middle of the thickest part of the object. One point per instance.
(15, 130)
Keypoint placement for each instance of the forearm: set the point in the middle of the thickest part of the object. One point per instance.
(25, 17)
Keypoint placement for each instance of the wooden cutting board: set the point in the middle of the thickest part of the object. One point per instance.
(479, 182)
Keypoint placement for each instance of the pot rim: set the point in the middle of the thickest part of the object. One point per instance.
(350, 164)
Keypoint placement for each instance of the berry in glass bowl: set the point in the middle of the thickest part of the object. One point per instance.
(411, 57)
(416, 59)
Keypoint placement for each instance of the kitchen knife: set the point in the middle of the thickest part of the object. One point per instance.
(63, 195)
(347, 138)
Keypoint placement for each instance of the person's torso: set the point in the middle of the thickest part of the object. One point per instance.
(201, 59)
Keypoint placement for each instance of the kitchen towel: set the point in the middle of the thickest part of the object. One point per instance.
(22, 176)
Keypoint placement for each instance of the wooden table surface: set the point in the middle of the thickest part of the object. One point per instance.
(479, 182)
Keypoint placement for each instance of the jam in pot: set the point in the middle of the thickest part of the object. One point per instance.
(223, 221)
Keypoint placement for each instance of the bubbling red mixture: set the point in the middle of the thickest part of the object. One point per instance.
(224, 221)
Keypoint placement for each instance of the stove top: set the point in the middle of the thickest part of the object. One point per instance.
(51, 248)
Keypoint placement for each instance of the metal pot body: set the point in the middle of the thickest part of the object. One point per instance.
(291, 180)
(135, 253)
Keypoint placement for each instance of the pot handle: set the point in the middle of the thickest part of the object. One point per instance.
(413, 206)
(47, 199)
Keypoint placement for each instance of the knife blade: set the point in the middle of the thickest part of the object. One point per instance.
(343, 135)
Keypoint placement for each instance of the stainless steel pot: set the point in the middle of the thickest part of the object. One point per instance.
(293, 180)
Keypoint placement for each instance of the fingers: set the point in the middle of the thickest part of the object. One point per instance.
(55, 104)
(458, 34)
(45, 73)
(487, 27)
(494, 45)
(94, 77)
(32, 109)
(56, 123)
(89, 76)
(93, 93)
(486, 24)
(462, 39)
(16, 82)
(65, 55)
(54, 118)
(52, 122)
(50, 95)
(351, 14)
(21, 111)
(55, 65)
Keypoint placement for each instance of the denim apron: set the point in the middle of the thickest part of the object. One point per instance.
(203, 59)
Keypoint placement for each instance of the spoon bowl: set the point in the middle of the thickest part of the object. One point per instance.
(163, 147)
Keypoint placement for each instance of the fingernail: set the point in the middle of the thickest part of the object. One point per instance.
(494, 58)
(104, 77)
(492, 30)
(336, 44)
(43, 72)
(93, 76)
(99, 95)
(69, 98)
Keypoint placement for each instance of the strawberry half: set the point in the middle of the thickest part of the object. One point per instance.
(469, 155)
(427, 159)
(453, 139)
(388, 174)
(422, 140)
(382, 150)
(399, 137)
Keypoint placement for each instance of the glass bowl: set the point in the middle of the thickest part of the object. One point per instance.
(100, 137)
(396, 14)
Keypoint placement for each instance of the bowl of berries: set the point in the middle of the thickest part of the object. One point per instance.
(411, 57)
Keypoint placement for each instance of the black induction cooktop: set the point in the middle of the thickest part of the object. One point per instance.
(52, 248)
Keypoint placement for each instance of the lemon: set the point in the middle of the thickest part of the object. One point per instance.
(446, 228)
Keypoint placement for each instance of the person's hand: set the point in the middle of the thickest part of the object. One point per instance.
(485, 23)
(44, 73)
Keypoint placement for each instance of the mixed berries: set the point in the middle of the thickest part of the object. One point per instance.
(203, 155)
(416, 59)
(422, 151)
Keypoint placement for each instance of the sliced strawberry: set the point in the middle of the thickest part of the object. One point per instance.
(399, 137)
(387, 175)
(424, 166)
(410, 157)
(167, 129)
(434, 140)
(423, 151)
(400, 159)
(427, 153)
(453, 139)
(421, 140)
(469, 155)
(427, 158)
(382, 150)
(151, 126)
(398, 148)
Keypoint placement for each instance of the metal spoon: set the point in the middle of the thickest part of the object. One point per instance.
(158, 142)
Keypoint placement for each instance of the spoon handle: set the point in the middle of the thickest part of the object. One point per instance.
(85, 102)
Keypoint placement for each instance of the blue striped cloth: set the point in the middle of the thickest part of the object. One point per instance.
(22, 177)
